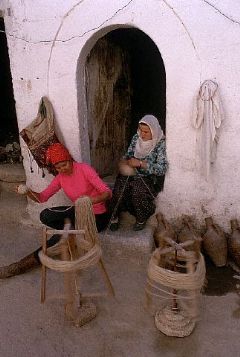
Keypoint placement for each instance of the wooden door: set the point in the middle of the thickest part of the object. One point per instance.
(109, 105)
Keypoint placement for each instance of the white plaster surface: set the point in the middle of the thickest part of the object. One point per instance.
(198, 40)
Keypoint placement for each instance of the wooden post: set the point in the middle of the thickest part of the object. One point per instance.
(44, 269)
(69, 277)
(191, 269)
(175, 304)
(106, 277)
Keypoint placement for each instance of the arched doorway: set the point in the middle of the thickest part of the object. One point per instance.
(125, 79)
(9, 135)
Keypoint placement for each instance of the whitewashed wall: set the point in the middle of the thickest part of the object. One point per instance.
(198, 40)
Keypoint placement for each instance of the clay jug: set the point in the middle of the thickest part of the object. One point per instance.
(164, 234)
(188, 233)
(162, 230)
(215, 243)
(234, 242)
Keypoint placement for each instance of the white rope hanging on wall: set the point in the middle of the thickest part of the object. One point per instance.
(207, 119)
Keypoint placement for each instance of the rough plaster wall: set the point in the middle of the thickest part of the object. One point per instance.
(197, 39)
(214, 30)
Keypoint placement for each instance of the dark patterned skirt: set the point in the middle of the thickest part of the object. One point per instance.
(136, 195)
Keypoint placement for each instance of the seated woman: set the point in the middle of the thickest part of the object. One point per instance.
(141, 176)
(76, 179)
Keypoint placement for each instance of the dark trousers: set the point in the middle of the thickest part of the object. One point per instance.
(134, 194)
(54, 217)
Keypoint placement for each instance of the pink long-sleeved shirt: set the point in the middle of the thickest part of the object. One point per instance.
(84, 181)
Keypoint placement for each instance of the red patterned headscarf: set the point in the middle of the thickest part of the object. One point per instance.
(57, 153)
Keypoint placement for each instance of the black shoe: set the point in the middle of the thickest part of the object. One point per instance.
(114, 225)
(138, 226)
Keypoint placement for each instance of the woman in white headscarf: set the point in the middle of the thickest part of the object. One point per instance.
(141, 174)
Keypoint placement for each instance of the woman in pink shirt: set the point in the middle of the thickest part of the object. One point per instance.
(76, 180)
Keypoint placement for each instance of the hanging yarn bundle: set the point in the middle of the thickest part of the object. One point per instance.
(207, 119)
(85, 219)
(177, 286)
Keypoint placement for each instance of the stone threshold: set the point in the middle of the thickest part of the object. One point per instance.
(11, 175)
(127, 243)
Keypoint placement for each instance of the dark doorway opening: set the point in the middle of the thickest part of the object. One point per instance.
(125, 79)
(148, 78)
(9, 134)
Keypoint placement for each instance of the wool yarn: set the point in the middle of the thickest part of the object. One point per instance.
(22, 189)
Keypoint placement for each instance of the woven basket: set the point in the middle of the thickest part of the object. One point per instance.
(234, 242)
(172, 324)
(215, 243)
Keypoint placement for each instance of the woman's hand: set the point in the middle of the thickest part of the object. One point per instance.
(137, 163)
(133, 162)
(21, 189)
(24, 190)
(101, 198)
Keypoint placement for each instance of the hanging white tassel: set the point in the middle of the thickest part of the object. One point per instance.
(208, 116)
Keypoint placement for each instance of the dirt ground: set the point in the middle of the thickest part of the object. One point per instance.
(123, 326)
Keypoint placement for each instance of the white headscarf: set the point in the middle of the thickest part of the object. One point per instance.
(143, 148)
